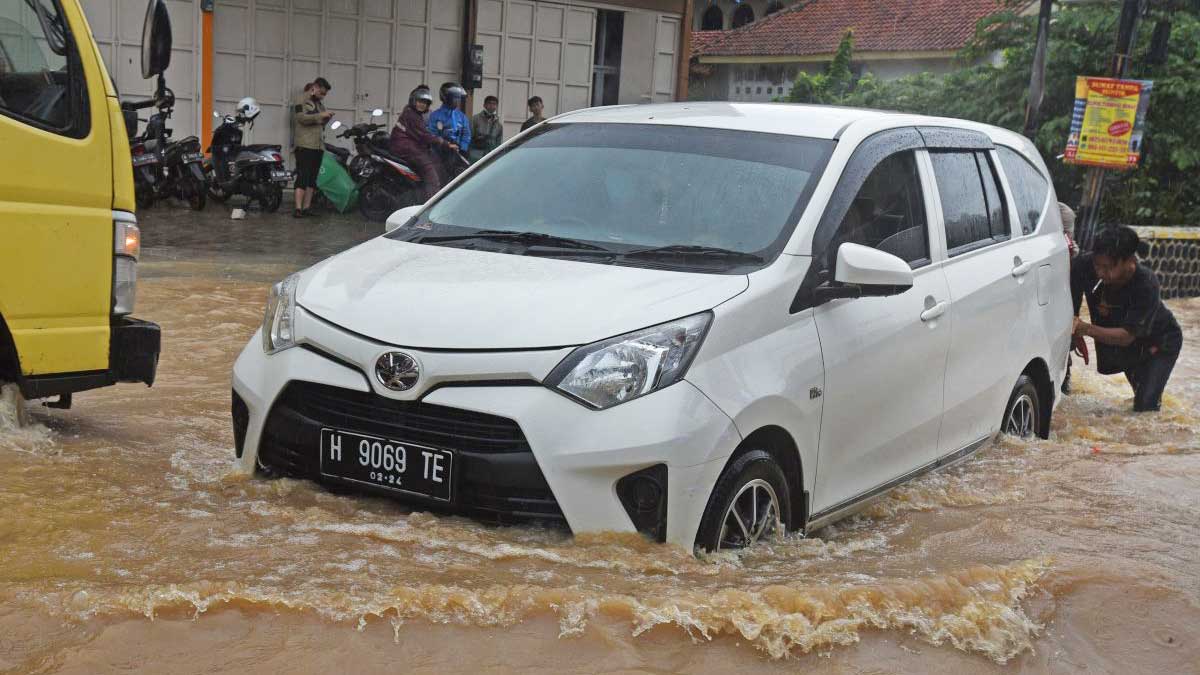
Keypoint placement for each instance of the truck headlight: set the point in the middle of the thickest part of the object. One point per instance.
(606, 373)
(127, 246)
(279, 319)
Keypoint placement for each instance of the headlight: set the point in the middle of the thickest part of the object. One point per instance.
(279, 319)
(625, 367)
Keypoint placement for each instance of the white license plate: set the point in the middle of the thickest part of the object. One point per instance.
(194, 157)
(142, 160)
(281, 175)
(385, 463)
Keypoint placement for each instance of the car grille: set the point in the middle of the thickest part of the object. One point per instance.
(495, 471)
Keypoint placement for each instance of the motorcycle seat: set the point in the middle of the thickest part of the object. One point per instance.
(150, 144)
(260, 147)
(343, 153)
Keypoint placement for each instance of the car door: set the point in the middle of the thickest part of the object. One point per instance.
(988, 280)
(884, 356)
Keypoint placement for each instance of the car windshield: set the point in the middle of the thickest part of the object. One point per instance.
(713, 200)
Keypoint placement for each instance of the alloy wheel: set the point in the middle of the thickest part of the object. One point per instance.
(752, 516)
(1022, 417)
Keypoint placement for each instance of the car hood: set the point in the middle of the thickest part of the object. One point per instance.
(439, 297)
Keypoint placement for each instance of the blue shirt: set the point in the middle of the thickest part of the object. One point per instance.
(451, 124)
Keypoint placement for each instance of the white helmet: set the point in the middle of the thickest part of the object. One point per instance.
(248, 108)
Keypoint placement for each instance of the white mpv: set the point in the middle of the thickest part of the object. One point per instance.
(708, 323)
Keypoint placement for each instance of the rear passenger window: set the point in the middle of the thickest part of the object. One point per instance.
(37, 83)
(973, 207)
(888, 213)
(1029, 187)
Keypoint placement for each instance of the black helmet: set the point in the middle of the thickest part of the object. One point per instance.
(421, 93)
(451, 92)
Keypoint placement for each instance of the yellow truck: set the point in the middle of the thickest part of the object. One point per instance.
(69, 240)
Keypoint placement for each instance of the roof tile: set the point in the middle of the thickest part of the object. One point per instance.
(816, 27)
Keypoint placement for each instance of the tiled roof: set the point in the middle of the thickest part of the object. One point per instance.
(816, 27)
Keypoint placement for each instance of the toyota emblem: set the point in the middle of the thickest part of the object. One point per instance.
(397, 371)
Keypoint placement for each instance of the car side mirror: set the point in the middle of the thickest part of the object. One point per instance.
(862, 271)
(156, 39)
(401, 217)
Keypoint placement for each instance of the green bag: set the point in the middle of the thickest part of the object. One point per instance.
(336, 184)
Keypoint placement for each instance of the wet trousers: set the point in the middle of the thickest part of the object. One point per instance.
(1149, 380)
(425, 165)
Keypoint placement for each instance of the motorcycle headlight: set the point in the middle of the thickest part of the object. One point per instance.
(620, 369)
(279, 319)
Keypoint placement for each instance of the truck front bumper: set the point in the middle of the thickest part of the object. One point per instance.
(132, 357)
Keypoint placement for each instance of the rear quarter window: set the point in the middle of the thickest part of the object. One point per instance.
(973, 209)
(1029, 187)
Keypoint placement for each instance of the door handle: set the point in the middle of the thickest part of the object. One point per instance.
(935, 311)
(1020, 269)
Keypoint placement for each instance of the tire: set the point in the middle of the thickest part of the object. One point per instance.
(270, 196)
(754, 471)
(143, 195)
(1023, 413)
(195, 194)
(377, 201)
(214, 189)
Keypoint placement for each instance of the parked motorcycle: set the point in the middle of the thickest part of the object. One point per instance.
(163, 167)
(254, 171)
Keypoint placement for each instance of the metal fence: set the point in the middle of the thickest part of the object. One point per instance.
(1175, 258)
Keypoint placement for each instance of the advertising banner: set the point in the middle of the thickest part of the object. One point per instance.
(1108, 122)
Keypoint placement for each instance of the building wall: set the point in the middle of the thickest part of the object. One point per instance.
(767, 82)
(375, 51)
(727, 8)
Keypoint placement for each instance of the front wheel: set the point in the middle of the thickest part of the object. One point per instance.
(1023, 414)
(377, 200)
(195, 193)
(750, 503)
(270, 196)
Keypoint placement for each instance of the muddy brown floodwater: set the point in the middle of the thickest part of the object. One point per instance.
(127, 542)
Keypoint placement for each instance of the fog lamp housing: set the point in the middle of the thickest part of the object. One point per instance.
(644, 495)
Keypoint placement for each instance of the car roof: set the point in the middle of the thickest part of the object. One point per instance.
(812, 121)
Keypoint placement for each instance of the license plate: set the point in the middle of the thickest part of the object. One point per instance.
(141, 160)
(193, 157)
(281, 175)
(388, 464)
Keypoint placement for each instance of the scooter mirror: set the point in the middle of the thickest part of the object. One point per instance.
(336, 125)
(378, 112)
(216, 114)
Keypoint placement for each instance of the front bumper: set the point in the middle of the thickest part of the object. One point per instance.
(133, 351)
(526, 451)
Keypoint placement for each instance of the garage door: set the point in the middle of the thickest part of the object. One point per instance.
(117, 26)
(373, 52)
(535, 49)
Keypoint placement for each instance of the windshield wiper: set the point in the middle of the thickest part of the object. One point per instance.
(684, 250)
(527, 238)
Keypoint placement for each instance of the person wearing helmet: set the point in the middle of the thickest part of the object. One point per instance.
(452, 124)
(412, 141)
(449, 121)
(309, 118)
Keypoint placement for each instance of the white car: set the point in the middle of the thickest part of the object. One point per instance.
(707, 323)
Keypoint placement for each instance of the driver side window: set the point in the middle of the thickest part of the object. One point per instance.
(888, 213)
(35, 75)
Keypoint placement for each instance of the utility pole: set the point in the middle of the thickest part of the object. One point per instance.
(1037, 78)
(1089, 208)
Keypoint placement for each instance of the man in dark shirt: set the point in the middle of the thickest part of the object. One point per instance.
(1135, 333)
(536, 107)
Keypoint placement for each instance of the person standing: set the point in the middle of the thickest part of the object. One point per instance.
(309, 118)
(486, 130)
(1135, 333)
(536, 107)
(412, 141)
